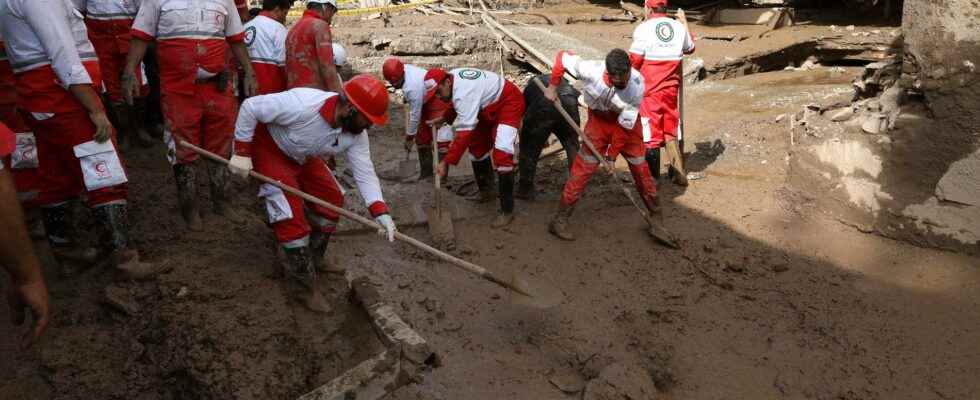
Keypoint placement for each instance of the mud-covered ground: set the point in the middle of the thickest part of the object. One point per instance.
(767, 298)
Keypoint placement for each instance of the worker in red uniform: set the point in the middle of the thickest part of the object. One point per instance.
(411, 80)
(27, 288)
(613, 92)
(109, 23)
(23, 159)
(303, 125)
(199, 105)
(489, 110)
(57, 84)
(658, 49)
(265, 37)
(309, 49)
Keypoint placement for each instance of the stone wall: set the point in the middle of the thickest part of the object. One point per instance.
(920, 181)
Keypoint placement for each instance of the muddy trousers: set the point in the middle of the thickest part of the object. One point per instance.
(286, 212)
(533, 138)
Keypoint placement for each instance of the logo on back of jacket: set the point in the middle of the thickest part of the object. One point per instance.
(249, 36)
(665, 32)
(470, 74)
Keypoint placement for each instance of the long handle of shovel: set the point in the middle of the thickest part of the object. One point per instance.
(605, 163)
(435, 165)
(462, 264)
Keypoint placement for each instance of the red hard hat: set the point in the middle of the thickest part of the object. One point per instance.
(433, 78)
(655, 3)
(393, 70)
(369, 96)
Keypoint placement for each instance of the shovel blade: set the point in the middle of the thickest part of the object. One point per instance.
(533, 292)
(441, 226)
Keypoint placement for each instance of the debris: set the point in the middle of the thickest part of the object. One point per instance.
(600, 18)
(621, 381)
(781, 267)
(183, 292)
(120, 299)
(843, 114)
(569, 382)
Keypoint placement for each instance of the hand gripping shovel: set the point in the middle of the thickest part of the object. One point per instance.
(524, 290)
(440, 220)
(657, 229)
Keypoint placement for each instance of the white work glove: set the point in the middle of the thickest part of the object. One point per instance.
(240, 166)
(388, 226)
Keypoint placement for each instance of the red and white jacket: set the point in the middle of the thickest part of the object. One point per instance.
(191, 38)
(302, 123)
(597, 92)
(414, 90)
(49, 50)
(473, 90)
(266, 41)
(659, 45)
(110, 20)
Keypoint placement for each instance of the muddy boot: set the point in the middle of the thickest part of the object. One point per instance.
(321, 258)
(56, 223)
(425, 162)
(187, 196)
(506, 192)
(138, 112)
(218, 174)
(483, 174)
(653, 161)
(559, 223)
(525, 190)
(115, 242)
(302, 280)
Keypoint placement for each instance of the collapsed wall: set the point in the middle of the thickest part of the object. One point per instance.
(905, 163)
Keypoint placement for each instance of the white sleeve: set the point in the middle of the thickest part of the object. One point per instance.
(639, 45)
(467, 105)
(233, 23)
(415, 99)
(279, 47)
(359, 159)
(148, 17)
(265, 109)
(49, 21)
(688, 41)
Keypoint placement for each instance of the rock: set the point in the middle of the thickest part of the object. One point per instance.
(778, 268)
(961, 183)
(875, 123)
(182, 292)
(843, 114)
(569, 382)
(120, 300)
(621, 381)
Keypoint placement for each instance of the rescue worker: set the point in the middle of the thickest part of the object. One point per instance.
(488, 110)
(22, 161)
(57, 79)
(198, 101)
(658, 49)
(28, 290)
(309, 49)
(265, 36)
(411, 80)
(541, 119)
(304, 124)
(109, 23)
(613, 92)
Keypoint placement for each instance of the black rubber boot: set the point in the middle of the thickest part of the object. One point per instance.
(300, 272)
(483, 174)
(114, 228)
(525, 189)
(56, 220)
(124, 125)
(505, 189)
(425, 162)
(559, 223)
(321, 258)
(220, 204)
(187, 195)
(653, 161)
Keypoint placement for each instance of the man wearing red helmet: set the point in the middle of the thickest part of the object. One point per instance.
(489, 111)
(658, 49)
(303, 125)
(411, 80)
(309, 49)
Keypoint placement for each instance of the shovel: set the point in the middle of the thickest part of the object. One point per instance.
(440, 221)
(523, 290)
(657, 229)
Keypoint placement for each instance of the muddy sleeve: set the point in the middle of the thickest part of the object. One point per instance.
(145, 25)
(49, 21)
(359, 159)
(324, 53)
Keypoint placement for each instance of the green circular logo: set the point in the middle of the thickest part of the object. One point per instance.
(249, 35)
(665, 32)
(470, 74)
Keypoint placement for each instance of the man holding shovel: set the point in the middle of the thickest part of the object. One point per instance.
(613, 92)
(658, 49)
(303, 125)
(489, 111)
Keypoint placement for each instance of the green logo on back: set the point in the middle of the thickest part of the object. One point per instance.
(470, 74)
(665, 32)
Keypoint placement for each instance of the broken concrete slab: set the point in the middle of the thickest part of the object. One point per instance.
(961, 183)
(753, 16)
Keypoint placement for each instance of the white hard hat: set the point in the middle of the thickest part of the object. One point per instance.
(339, 54)
(330, 2)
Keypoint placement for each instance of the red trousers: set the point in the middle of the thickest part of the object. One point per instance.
(659, 115)
(432, 109)
(111, 42)
(496, 131)
(286, 212)
(60, 170)
(26, 180)
(205, 119)
(609, 137)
